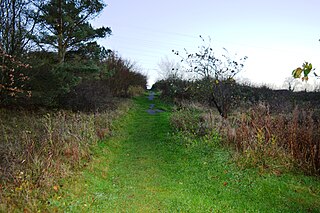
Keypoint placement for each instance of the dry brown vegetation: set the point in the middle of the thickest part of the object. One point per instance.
(37, 149)
(274, 142)
(259, 135)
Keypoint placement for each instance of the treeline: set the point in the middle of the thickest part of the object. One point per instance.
(233, 96)
(49, 57)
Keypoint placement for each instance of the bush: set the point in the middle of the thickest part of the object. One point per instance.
(190, 118)
(120, 75)
(192, 130)
(227, 95)
(77, 84)
(12, 78)
(49, 83)
(89, 96)
(134, 91)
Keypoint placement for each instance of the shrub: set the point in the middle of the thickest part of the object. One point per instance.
(120, 75)
(134, 91)
(49, 83)
(12, 78)
(192, 130)
(89, 96)
(226, 92)
(189, 118)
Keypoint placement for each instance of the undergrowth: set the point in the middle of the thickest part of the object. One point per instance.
(274, 143)
(291, 140)
(37, 149)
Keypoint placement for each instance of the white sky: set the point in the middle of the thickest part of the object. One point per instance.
(276, 35)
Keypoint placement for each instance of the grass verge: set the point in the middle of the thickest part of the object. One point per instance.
(37, 149)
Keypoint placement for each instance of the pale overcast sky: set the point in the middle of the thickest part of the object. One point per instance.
(276, 35)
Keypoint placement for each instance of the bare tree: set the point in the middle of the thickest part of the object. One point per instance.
(216, 74)
(292, 84)
(17, 23)
(169, 68)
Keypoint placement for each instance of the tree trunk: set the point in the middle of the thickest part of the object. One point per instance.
(220, 109)
(61, 53)
(61, 48)
(13, 23)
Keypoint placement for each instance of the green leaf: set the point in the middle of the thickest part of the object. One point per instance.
(297, 72)
(307, 67)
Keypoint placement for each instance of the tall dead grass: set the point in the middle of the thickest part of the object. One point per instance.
(37, 149)
(280, 140)
(274, 142)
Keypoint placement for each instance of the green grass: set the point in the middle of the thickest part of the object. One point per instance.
(146, 167)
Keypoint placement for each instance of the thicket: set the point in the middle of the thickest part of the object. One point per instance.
(48, 49)
(243, 95)
(84, 85)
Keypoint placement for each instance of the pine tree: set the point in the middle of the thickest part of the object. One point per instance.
(64, 25)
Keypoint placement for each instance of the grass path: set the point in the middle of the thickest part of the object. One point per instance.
(144, 168)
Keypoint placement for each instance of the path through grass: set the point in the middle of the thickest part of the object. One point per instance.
(145, 168)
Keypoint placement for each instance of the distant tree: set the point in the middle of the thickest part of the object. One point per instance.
(217, 74)
(291, 83)
(121, 74)
(316, 87)
(64, 25)
(169, 69)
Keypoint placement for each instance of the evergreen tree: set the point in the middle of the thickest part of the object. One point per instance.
(64, 25)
